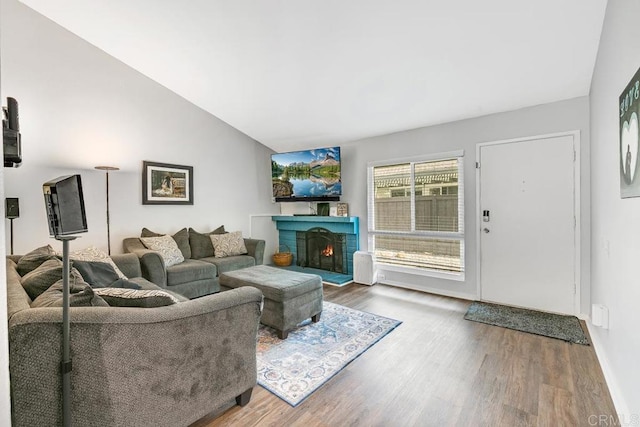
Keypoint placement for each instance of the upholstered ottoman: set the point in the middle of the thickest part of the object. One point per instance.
(289, 297)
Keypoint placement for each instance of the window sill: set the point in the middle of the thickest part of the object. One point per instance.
(458, 277)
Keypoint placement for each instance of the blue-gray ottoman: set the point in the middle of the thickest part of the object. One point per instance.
(289, 297)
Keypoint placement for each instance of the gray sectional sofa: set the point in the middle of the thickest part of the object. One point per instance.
(163, 366)
(198, 274)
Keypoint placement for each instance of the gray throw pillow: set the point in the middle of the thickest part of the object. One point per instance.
(80, 295)
(34, 259)
(201, 246)
(95, 273)
(181, 238)
(48, 273)
(118, 297)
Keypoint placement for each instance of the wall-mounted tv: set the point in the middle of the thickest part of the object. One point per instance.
(305, 176)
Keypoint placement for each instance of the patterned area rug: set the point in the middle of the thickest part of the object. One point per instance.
(294, 368)
(566, 328)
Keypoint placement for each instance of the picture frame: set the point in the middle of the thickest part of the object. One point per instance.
(343, 209)
(166, 184)
(629, 140)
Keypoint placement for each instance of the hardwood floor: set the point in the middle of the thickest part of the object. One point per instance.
(437, 369)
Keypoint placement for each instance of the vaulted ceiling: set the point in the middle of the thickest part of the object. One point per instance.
(311, 73)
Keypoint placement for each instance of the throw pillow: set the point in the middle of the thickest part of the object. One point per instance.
(80, 295)
(229, 244)
(201, 246)
(49, 272)
(116, 297)
(95, 273)
(33, 259)
(94, 254)
(181, 238)
(124, 283)
(166, 247)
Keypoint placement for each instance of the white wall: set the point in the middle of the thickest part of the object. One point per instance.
(80, 108)
(544, 119)
(615, 269)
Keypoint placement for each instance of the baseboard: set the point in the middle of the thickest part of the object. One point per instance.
(413, 287)
(616, 394)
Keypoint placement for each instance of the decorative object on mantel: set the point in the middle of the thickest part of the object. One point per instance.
(629, 116)
(107, 169)
(12, 211)
(166, 184)
(313, 353)
(282, 259)
(343, 209)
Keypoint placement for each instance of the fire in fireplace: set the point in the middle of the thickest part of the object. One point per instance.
(322, 249)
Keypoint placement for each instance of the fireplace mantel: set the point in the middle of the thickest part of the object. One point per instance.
(287, 226)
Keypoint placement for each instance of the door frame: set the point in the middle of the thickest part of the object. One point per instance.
(576, 209)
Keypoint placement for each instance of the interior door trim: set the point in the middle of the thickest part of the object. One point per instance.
(576, 210)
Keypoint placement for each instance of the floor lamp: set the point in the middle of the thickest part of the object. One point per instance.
(107, 169)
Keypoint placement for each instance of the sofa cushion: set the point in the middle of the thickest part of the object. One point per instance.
(190, 270)
(80, 295)
(49, 272)
(229, 244)
(94, 254)
(136, 297)
(33, 259)
(144, 284)
(201, 246)
(181, 238)
(231, 263)
(166, 247)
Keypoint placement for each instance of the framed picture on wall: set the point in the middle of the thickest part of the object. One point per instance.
(166, 184)
(629, 114)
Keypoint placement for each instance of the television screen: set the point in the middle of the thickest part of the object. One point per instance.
(309, 175)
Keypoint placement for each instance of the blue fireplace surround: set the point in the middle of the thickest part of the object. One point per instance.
(288, 225)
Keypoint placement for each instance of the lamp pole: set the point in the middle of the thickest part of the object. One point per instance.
(107, 169)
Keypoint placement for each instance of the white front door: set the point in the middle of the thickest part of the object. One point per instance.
(527, 221)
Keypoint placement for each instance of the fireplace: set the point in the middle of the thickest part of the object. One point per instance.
(322, 249)
(320, 244)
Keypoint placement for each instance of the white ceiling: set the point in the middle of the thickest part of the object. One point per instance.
(311, 73)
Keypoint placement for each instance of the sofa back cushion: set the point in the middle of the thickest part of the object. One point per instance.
(181, 238)
(49, 272)
(34, 259)
(201, 246)
(80, 295)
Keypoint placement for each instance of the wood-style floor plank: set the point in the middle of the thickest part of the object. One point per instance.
(437, 369)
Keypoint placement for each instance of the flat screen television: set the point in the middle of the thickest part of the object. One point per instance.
(308, 175)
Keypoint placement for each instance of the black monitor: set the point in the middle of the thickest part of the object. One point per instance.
(65, 205)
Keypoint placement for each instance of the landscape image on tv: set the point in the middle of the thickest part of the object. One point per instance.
(306, 174)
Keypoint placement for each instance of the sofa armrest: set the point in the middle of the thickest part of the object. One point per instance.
(255, 248)
(128, 263)
(166, 366)
(151, 263)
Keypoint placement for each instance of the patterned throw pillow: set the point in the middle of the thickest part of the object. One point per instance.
(120, 297)
(166, 247)
(229, 244)
(94, 254)
(181, 238)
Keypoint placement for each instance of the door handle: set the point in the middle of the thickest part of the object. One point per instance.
(486, 230)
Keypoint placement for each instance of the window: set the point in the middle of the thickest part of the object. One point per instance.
(416, 213)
